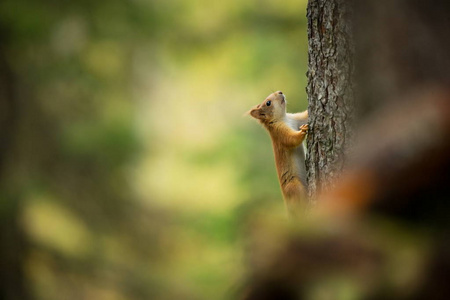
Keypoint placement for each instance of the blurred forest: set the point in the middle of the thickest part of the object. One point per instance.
(127, 169)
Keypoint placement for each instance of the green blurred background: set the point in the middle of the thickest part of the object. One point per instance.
(132, 172)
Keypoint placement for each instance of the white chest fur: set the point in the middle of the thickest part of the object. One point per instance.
(298, 155)
(292, 123)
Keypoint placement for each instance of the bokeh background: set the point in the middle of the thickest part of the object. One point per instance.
(128, 168)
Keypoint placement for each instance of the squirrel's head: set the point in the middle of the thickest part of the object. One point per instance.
(271, 109)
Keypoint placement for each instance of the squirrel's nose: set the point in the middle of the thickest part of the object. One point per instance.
(280, 92)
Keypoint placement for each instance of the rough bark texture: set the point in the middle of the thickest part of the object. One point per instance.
(330, 92)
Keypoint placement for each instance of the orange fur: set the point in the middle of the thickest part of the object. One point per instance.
(287, 147)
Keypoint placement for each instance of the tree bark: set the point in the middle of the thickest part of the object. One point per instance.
(330, 92)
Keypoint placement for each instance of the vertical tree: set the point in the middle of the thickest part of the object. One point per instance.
(330, 93)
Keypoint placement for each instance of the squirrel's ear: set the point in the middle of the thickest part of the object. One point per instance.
(256, 112)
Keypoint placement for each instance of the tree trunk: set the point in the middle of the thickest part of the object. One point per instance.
(13, 245)
(330, 92)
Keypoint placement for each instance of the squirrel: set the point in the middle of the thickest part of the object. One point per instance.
(287, 132)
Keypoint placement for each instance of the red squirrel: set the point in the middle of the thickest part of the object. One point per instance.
(287, 132)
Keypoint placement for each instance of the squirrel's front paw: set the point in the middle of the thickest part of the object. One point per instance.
(304, 129)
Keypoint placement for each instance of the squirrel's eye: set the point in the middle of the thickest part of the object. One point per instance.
(268, 103)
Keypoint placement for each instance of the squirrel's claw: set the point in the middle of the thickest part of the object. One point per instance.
(304, 128)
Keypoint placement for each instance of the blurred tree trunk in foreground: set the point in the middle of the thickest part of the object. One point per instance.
(330, 93)
(383, 231)
(12, 241)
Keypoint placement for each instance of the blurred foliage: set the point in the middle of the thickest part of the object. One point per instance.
(132, 172)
